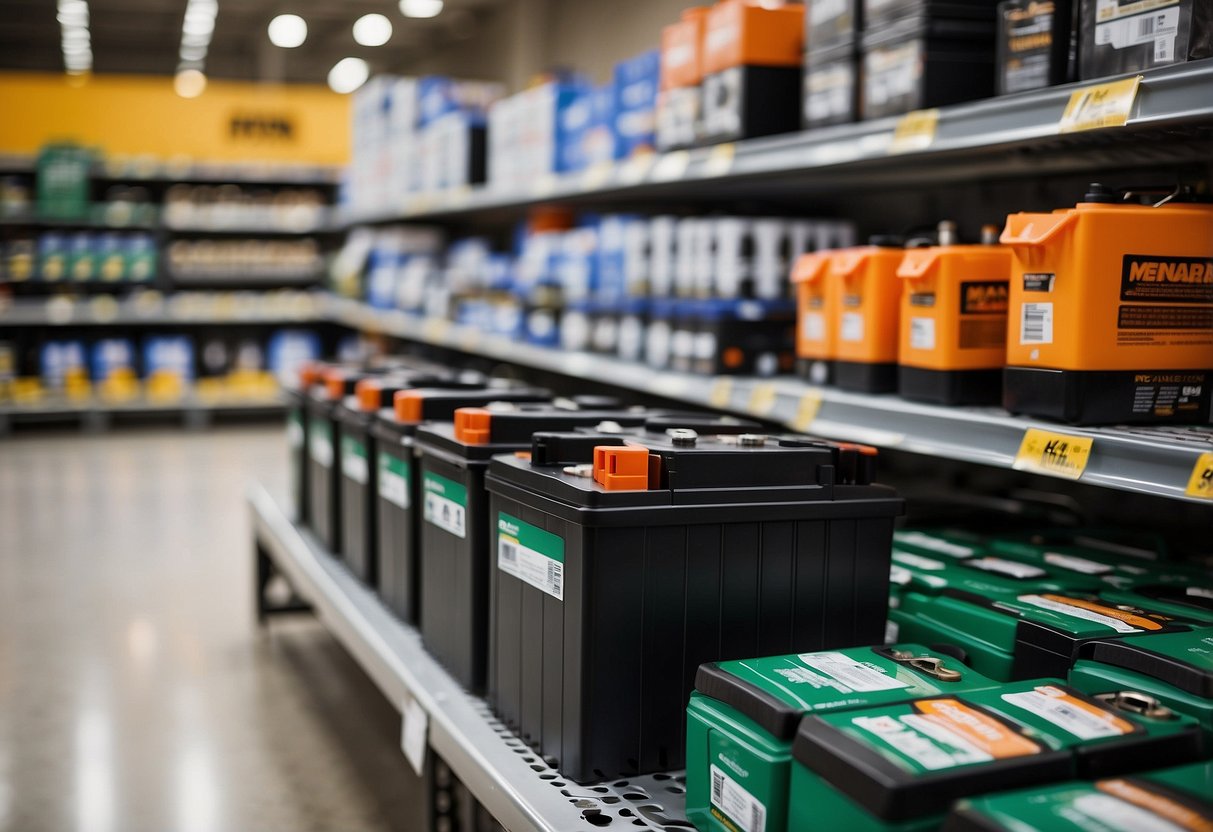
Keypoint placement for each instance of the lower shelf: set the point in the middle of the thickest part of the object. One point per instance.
(98, 415)
(513, 783)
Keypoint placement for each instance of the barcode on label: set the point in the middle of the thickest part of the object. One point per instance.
(1036, 324)
(509, 551)
(1162, 49)
(717, 787)
(1145, 27)
(556, 578)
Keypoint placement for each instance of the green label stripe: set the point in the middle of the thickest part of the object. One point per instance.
(532, 537)
(321, 426)
(451, 490)
(352, 447)
(531, 555)
(394, 477)
(392, 465)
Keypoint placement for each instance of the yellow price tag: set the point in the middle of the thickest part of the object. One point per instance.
(722, 392)
(671, 167)
(596, 176)
(720, 159)
(763, 398)
(1200, 484)
(806, 411)
(1056, 454)
(435, 329)
(1101, 105)
(915, 131)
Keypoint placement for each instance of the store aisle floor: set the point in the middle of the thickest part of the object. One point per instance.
(136, 691)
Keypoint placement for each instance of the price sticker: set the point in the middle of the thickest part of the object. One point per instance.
(763, 398)
(914, 131)
(1101, 105)
(435, 329)
(469, 339)
(1200, 485)
(671, 167)
(721, 392)
(414, 726)
(1055, 454)
(720, 159)
(806, 411)
(596, 176)
(635, 169)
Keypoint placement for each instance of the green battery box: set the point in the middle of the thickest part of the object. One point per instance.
(1191, 601)
(1113, 566)
(743, 716)
(988, 575)
(900, 767)
(1172, 800)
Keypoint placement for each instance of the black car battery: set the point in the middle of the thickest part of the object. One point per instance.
(453, 458)
(1119, 36)
(831, 23)
(751, 337)
(831, 87)
(398, 488)
(880, 13)
(1035, 44)
(296, 438)
(636, 561)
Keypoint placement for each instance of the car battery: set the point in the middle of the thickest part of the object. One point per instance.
(878, 13)
(748, 337)
(751, 65)
(454, 529)
(831, 87)
(1190, 601)
(869, 313)
(1023, 636)
(830, 23)
(1174, 668)
(679, 100)
(818, 299)
(1035, 44)
(1111, 315)
(398, 488)
(901, 766)
(954, 320)
(1118, 36)
(986, 575)
(742, 719)
(924, 61)
(622, 567)
(1113, 565)
(296, 438)
(1169, 800)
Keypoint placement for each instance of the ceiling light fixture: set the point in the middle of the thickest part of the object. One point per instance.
(197, 29)
(189, 83)
(420, 8)
(75, 40)
(348, 74)
(288, 31)
(372, 30)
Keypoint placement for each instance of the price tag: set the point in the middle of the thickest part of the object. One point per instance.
(635, 169)
(721, 393)
(806, 411)
(469, 339)
(1101, 105)
(596, 176)
(435, 329)
(671, 167)
(1056, 454)
(414, 726)
(1200, 484)
(762, 399)
(915, 131)
(720, 159)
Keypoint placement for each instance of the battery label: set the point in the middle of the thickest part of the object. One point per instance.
(735, 802)
(1122, 25)
(918, 561)
(1117, 815)
(1143, 808)
(321, 443)
(922, 333)
(813, 326)
(852, 327)
(294, 430)
(1118, 620)
(446, 504)
(1079, 718)
(531, 555)
(1010, 568)
(1076, 564)
(1036, 323)
(394, 477)
(353, 459)
(1169, 279)
(851, 676)
(935, 544)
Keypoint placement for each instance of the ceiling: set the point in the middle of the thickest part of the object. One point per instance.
(143, 36)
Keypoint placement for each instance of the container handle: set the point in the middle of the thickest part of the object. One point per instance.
(1035, 229)
(918, 263)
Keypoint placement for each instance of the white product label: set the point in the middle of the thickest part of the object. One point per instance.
(1076, 564)
(930, 744)
(294, 433)
(444, 512)
(1007, 567)
(852, 327)
(1071, 715)
(1120, 31)
(922, 333)
(1118, 815)
(1036, 323)
(900, 576)
(1078, 612)
(322, 449)
(542, 570)
(918, 561)
(393, 486)
(736, 803)
(813, 325)
(892, 632)
(853, 676)
(935, 544)
(353, 462)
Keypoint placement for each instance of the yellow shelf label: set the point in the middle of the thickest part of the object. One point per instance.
(722, 392)
(915, 131)
(1100, 105)
(1055, 454)
(720, 159)
(435, 329)
(806, 411)
(1200, 484)
(763, 398)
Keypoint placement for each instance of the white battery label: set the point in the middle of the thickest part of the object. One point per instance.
(445, 504)
(1076, 564)
(1010, 568)
(1079, 612)
(1072, 715)
(813, 326)
(531, 555)
(394, 480)
(736, 802)
(1036, 323)
(852, 327)
(1118, 815)
(353, 460)
(922, 333)
(852, 675)
(935, 544)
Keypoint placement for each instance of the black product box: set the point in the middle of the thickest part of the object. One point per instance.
(1035, 44)
(1119, 36)
(742, 102)
(747, 337)
(829, 24)
(297, 450)
(831, 87)
(679, 118)
(877, 14)
(921, 62)
(621, 570)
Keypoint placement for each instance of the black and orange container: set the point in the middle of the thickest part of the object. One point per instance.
(623, 563)
(752, 57)
(1111, 315)
(954, 320)
(680, 94)
(869, 315)
(297, 435)
(818, 296)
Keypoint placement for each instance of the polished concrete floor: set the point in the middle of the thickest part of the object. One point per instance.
(136, 690)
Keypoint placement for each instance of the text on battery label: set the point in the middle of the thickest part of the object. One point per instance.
(736, 803)
(851, 675)
(1075, 611)
(1118, 815)
(445, 504)
(353, 460)
(931, 746)
(852, 327)
(1076, 564)
(321, 443)
(1036, 323)
(1074, 716)
(531, 555)
(394, 480)
(922, 333)
(935, 544)
(1007, 567)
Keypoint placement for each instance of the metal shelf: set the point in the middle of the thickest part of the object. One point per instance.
(96, 415)
(154, 309)
(1004, 136)
(1155, 461)
(514, 784)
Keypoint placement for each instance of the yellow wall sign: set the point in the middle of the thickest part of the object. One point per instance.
(1055, 454)
(135, 115)
(1101, 105)
(1200, 484)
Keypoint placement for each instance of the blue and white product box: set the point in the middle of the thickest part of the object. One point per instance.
(576, 325)
(438, 95)
(370, 159)
(613, 254)
(453, 152)
(289, 350)
(402, 140)
(633, 318)
(140, 257)
(694, 257)
(573, 122)
(598, 141)
(61, 359)
(661, 246)
(636, 257)
(636, 81)
(467, 265)
(660, 332)
(536, 134)
(538, 260)
(577, 262)
(171, 355)
(382, 268)
(112, 356)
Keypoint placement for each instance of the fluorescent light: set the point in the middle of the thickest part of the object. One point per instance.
(372, 30)
(197, 28)
(288, 31)
(75, 40)
(189, 83)
(420, 8)
(348, 74)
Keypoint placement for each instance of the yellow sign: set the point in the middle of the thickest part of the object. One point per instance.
(806, 411)
(915, 131)
(136, 115)
(763, 398)
(1201, 482)
(722, 392)
(720, 159)
(1101, 105)
(1055, 454)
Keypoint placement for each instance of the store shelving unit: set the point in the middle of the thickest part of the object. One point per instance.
(155, 309)
(94, 415)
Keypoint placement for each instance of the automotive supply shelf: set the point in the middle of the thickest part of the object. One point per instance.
(512, 783)
(154, 309)
(1158, 461)
(96, 415)
(1004, 136)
